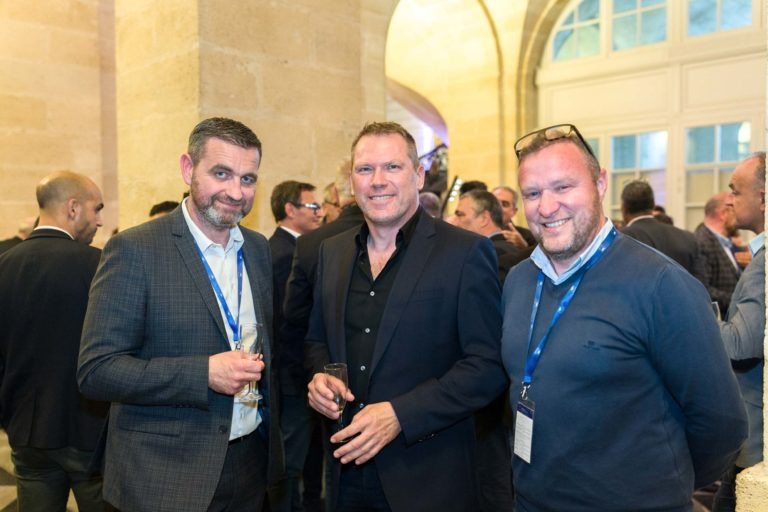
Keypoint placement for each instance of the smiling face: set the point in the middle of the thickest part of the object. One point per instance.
(384, 181)
(562, 201)
(222, 185)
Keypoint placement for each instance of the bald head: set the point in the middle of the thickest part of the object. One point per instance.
(718, 217)
(72, 202)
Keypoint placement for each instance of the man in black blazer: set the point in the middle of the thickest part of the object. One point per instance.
(44, 281)
(25, 228)
(297, 213)
(412, 305)
(721, 271)
(637, 202)
(160, 342)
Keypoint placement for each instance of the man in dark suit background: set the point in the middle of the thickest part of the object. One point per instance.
(163, 319)
(637, 204)
(297, 213)
(412, 305)
(44, 284)
(719, 266)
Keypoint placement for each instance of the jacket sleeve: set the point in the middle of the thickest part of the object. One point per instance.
(744, 331)
(114, 334)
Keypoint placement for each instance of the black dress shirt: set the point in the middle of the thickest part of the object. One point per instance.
(366, 301)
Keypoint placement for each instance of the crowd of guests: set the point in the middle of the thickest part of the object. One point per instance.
(570, 365)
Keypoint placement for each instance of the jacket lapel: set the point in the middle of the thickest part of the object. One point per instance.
(415, 259)
(339, 270)
(185, 243)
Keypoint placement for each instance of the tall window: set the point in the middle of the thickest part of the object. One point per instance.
(638, 22)
(707, 16)
(711, 153)
(579, 33)
(641, 156)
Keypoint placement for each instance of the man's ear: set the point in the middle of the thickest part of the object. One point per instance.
(290, 210)
(73, 208)
(187, 167)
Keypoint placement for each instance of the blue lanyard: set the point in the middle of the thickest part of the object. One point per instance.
(533, 359)
(233, 323)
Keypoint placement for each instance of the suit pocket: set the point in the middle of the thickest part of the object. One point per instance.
(150, 422)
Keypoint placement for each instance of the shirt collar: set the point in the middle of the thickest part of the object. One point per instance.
(294, 234)
(724, 240)
(202, 241)
(641, 217)
(541, 260)
(757, 243)
(55, 228)
(404, 235)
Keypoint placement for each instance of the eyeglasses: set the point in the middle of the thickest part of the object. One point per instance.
(556, 132)
(312, 206)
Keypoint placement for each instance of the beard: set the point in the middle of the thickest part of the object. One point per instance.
(586, 227)
(217, 218)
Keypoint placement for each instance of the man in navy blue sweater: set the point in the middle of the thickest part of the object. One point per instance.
(623, 393)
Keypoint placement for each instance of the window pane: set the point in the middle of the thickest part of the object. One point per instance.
(724, 179)
(564, 45)
(568, 19)
(625, 32)
(619, 180)
(620, 6)
(589, 10)
(698, 185)
(734, 141)
(700, 144)
(649, 3)
(701, 17)
(656, 180)
(623, 152)
(735, 14)
(653, 150)
(589, 40)
(654, 26)
(693, 217)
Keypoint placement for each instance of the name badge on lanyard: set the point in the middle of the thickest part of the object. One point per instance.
(525, 406)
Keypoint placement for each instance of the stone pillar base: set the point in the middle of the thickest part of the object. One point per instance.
(752, 489)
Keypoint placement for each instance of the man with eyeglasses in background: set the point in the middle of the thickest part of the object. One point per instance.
(297, 213)
(623, 393)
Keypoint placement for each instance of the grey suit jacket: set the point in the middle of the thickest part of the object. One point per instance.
(152, 322)
(743, 335)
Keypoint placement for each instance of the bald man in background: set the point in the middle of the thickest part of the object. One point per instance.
(44, 283)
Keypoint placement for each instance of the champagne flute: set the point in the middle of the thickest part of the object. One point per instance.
(339, 371)
(716, 310)
(251, 343)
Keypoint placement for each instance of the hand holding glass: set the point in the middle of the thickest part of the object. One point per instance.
(252, 343)
(338, 371)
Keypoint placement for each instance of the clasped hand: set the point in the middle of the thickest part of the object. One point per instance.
(229, 372)
(371, 429)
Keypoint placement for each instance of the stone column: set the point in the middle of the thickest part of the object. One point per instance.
(304, 75)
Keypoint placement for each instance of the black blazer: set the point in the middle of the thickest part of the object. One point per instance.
(675, 243)
(288, 357)
(436, 358)
(44, 284)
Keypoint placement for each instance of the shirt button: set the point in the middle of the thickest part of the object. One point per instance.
(373, 293)
(362, 368)
(360, 405)
(367, 330)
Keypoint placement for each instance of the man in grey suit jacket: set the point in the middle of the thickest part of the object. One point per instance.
(411, 305)
(744, 331)
(163, 319)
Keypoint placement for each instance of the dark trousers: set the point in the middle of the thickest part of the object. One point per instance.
(360, 489)
(725, 499)
(44, 478)
(243, 482)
